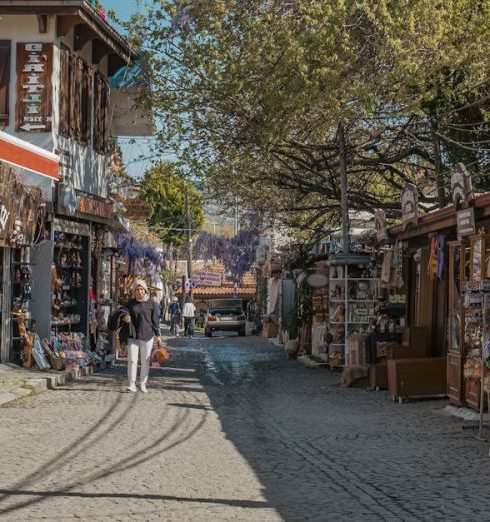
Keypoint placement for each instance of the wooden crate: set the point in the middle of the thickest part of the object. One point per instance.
(424, 377)
(378, 376)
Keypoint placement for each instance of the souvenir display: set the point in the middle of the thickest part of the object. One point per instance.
(68, 282)
(354, 294)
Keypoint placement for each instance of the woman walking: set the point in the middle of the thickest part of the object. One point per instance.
(144, 317)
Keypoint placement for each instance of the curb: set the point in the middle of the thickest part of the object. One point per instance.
(44, 383)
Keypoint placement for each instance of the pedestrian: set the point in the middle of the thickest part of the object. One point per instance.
(158, 306)
(189, 313)
(175, 312)
(143, 315)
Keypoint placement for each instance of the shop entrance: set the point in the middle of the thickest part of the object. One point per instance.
(4, 305)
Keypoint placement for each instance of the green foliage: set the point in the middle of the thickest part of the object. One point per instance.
(251, 95)
(166, 191)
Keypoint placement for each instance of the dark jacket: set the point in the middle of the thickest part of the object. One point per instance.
(145, 319)
(174, 309)
(116, 322)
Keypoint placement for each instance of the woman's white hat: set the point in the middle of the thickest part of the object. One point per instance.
(142, 283)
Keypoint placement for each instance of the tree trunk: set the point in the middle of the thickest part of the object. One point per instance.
(441, 189)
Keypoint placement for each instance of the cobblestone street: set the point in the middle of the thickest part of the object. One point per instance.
(231, 430)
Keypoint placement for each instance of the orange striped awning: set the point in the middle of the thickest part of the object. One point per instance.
(24, 155)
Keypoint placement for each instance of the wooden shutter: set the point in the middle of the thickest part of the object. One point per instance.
(4, 80)
(64, 127)
(101, 114)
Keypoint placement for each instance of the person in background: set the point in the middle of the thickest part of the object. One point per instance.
(145, 321)
(189, 313)
(175, 312)
(158, 306)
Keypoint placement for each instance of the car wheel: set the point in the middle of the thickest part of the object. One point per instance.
(208, 333)
(241, 333)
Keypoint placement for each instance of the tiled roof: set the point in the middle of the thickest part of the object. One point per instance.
(248, 279)
(211, 292)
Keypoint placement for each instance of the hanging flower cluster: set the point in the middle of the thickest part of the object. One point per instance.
(132, 249)
(147, 261)
(237, 253)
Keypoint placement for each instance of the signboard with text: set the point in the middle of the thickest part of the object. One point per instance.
(34, 107)
(207, 278)
(465, 222)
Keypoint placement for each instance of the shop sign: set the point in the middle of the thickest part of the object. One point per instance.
(137, 209)
(410, 209)
(465, 222)
(95, 207)
(4, 218)
(34, 89)
(207, 278)
(380, 225)
(461, 186)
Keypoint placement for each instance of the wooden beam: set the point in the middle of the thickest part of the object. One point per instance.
(65, 23)
(99, 50)
(42, 21)
(82, 35)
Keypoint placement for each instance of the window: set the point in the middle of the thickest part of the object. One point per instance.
(4, 80)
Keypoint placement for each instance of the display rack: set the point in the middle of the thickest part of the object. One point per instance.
(354, 292)
(21, 298)
(70, 285)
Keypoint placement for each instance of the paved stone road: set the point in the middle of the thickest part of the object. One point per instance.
(230, 430)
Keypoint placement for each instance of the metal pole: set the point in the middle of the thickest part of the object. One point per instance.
(343, 192)
(189, 238)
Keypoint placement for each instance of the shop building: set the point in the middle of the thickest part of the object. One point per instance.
(56, 62)
(449, 285)
(27, 174)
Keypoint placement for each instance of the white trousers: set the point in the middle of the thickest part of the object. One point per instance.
(135, 346)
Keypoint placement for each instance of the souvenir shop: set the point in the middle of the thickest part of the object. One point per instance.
(27, 174)
(447, 282)
(82, 282)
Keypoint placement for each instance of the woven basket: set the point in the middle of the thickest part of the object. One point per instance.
(57, 363)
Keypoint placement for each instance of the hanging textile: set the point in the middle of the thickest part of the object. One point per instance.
(397, 275)
(386, 267)
(433, 258)
(441, 256)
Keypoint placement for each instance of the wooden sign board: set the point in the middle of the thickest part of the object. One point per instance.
(137, 209)
(207, 278)
(34, 106)
(95, 207)
(4, 217)
(380, 225)
(410, 209)
(465, 222)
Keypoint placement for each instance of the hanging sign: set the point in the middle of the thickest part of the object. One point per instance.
(4, 217)
(137, 209)
(380, 225)
(95, 207)
(461, 186)
(34, 87)
(410, 209)
(207, 278)
(465, 222)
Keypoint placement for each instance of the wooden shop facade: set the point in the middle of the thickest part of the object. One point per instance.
(446, 275)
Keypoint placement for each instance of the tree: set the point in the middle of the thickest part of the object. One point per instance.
(253, 94)
(166, 191)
